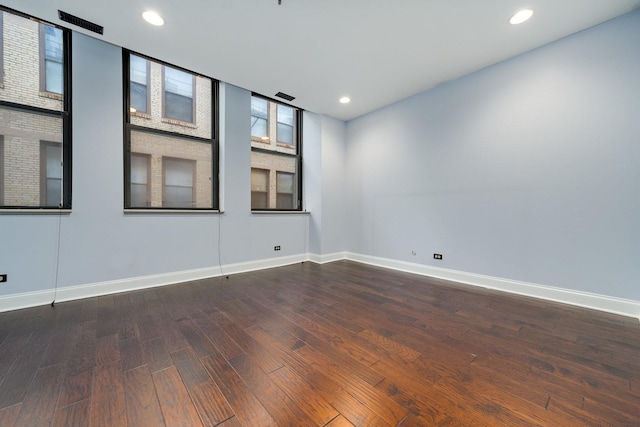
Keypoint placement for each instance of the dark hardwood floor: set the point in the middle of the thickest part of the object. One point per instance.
(307, 345)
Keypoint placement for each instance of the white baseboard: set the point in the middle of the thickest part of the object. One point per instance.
(323, 259)
(69, 293)
(605, 303)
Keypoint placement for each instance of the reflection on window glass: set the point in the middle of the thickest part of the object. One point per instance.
(285, 124)
(53, 59)
(178, 183)
(284, 187)
(259, 114)
(51, 184)
(138, 86)
(139, 180)
(178, 87)
(259, 188)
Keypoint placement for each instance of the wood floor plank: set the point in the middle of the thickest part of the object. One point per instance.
(177, 407)
(246, 407)
(107, 349)
(131, 355)
(108, 406)
(9, 414)
(207, 398)
(156, 354)
(76, 415)
(304, 397)
(76, 386)
(142, 404)
(39, 405)
(276, 402)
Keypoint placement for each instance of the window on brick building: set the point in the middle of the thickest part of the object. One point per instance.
(51, 59)
(140, 195)
(259, 118)
(259, 188)
(276, 144)
(35, 107)
(139, 85)
(286, 124)
(172, 150)
(51, 173)
(179, 98)
(284, 188)
(179, 183)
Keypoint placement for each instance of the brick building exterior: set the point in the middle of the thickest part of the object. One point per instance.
(27, 138)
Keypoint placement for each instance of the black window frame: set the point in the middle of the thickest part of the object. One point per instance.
(129, 127)
(298, 124)
(64, 114)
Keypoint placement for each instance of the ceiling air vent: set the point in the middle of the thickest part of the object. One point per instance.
(64, 16)
(285, 96)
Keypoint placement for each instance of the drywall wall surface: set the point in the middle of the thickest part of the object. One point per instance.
(527, 170)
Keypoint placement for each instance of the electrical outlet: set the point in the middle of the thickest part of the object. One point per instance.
(413, 253)
(3, 278)
(276, 248)
(437, 256)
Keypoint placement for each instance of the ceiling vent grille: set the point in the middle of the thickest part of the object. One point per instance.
(79, 22)
(285, 96)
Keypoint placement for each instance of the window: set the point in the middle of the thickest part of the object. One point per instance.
(139, 89)
(179, 189)
(259, 118)
(140, 189)
(284, 188)
(172, 149)
(276, 131)
(51, 54)
(35, 114)
(178, 95)
(285, 124)
(259, 188)
(51, 173)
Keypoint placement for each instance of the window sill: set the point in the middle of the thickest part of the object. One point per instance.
(51, 95)
(277, 212)
(34, 211)
(141, 114)
(172, 211)
(179, 123)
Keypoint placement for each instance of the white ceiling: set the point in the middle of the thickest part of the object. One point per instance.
(375, 51)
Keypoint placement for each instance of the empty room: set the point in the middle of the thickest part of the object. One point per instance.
(319, 213)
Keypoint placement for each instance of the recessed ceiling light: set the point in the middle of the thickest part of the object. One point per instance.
(345, 100)
(521, 17)
(153, 18)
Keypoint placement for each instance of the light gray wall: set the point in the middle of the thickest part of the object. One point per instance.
(333, 186)
(527, 170)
